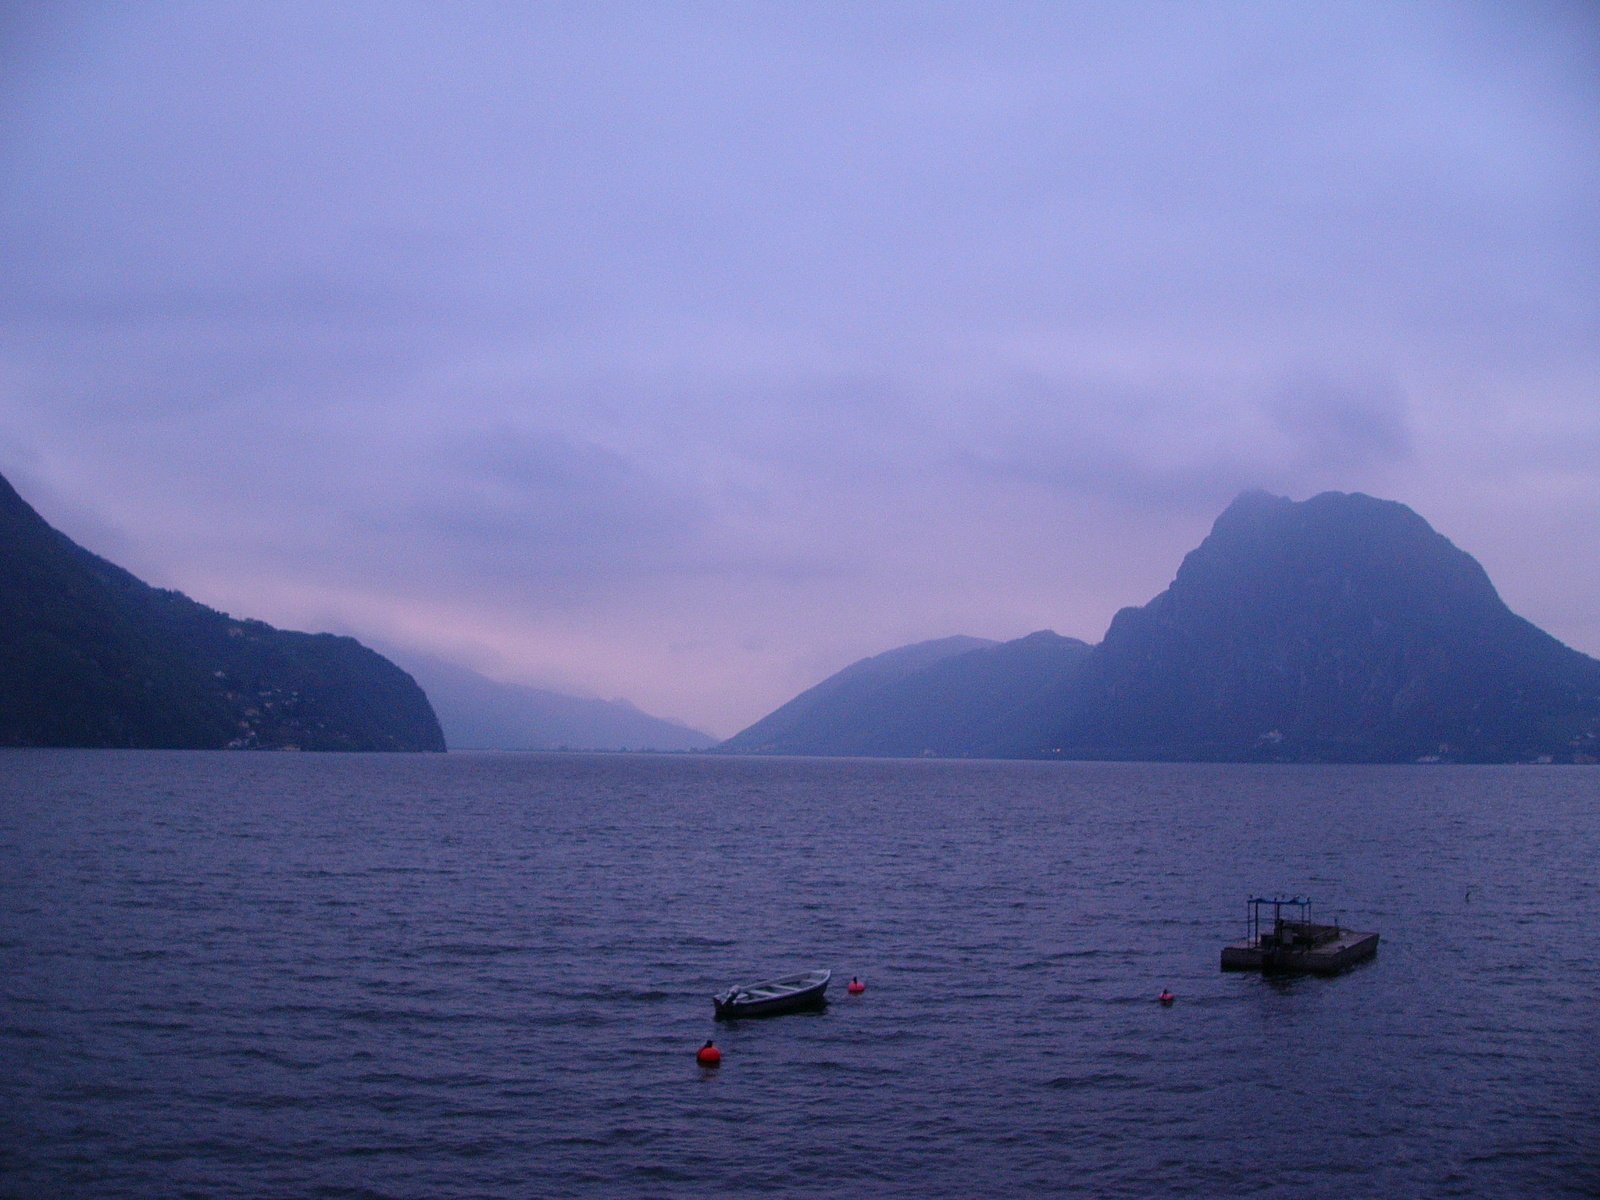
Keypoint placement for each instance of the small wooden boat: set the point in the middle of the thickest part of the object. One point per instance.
(789, 993)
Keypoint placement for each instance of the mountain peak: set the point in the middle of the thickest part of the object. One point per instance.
(1272, 550)
(1343, 625)
(1253, 504)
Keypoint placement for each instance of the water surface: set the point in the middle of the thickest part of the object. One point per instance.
(487, 975)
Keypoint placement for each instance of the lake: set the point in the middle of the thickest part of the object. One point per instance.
(487, 975)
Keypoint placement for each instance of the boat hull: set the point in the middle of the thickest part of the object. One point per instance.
(774, 997)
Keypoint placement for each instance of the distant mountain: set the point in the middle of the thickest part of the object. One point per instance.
(91, 656)
(479, 713)
(1340, 629)
(956, 696)
(830, 715)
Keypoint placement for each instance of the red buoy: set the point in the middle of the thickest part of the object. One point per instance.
(708, 1055)
(1166, 997)
(855, 987)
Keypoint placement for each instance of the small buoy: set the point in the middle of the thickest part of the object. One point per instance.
(1166, 997)
(855, 987)
(708, 1055)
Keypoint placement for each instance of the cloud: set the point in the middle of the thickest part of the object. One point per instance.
(1193, 444)
(1339, 428)
(689, 350)
(538, 510)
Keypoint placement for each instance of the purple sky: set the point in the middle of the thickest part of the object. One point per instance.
(688, 352)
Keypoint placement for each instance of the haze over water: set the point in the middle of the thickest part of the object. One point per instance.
(487, 975)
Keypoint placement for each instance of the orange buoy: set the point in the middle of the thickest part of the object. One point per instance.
(1166, 997)
(855, 987)
(708, 1055)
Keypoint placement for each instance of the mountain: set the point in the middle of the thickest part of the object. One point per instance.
(1341, 629)
(479, 713)
(958, 696)
(91, 656)
(831, 713)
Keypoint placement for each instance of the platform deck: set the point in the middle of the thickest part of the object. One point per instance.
(1343, 950)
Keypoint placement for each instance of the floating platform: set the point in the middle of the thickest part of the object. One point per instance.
(1294, 944)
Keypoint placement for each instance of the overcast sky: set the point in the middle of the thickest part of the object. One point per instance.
(688, 352)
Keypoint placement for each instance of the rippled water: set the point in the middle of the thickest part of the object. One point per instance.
(438, 976)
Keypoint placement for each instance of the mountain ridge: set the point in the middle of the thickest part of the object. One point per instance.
(92, 656)
(1339, 628)
(478, 713)
(949, 695)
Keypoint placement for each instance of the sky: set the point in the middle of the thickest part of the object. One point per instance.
(688, 352)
